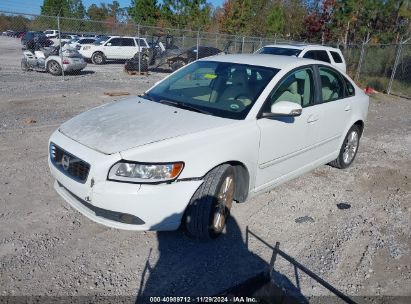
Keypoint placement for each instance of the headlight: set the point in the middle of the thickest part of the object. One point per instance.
(125, 171)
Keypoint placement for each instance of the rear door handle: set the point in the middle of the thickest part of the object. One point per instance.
(347, 108)
(312, 118)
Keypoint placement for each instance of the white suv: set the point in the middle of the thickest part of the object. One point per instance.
(113, 49)
(316, 52)
(51, 33)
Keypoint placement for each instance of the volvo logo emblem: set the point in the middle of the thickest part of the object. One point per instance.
(65, 162)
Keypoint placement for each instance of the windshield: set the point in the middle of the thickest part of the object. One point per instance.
(279, 51)
(222, 89)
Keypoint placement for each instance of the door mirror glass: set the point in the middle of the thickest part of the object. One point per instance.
(284, 109)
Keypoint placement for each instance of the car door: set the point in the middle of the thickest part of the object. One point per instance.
(331, 114)
(128, 48)
(283, 149)
(112, 48)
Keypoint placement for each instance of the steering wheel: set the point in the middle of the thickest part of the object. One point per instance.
(236, 105)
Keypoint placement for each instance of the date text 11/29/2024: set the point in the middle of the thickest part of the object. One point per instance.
(222, 299)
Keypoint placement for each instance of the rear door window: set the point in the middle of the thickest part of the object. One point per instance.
(127, 42)
(323, 56)
(332, 86)
(310, 55)
(337, 58)
(349, 87)
(318, 55)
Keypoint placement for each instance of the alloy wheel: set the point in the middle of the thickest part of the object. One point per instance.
(224, 202)
(350, 148)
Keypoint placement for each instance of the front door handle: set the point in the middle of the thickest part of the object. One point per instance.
(347, 108)
(312, 118)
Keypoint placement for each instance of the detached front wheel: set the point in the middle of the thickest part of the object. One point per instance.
(210, 206)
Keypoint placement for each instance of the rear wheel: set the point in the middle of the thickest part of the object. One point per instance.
(98, 58)
(210, 206)
(348, 149)
(54, 68)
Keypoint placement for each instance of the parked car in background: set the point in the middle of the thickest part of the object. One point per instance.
(114, 48)
(88, 35)
(63, 37)
(316, 52)
(182, 58)
(10, 33)
(51, 33)
(215, 132)
(30, 40)
(72, 36)
(79, 42)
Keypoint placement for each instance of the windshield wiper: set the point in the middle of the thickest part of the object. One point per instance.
(183, 106)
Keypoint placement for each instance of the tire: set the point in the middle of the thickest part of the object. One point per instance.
(98, 58)
(209, 208)
(177, 65)
(54, 68)
(348, 149)
(143, 62)
(24, 65)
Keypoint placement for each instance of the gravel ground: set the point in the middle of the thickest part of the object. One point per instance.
(46, 248)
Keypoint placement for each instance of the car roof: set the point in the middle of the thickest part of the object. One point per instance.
(123, 37)
(265, 60)
(302, 46)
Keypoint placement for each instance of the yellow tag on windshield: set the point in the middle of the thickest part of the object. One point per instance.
(210, 76)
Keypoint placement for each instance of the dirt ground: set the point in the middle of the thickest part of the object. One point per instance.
(47, 248)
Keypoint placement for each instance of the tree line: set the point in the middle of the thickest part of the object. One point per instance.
(341, 21)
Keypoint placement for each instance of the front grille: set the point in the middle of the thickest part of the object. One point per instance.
(69, 164)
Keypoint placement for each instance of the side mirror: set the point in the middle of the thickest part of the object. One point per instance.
(284, 109)
(108, 44)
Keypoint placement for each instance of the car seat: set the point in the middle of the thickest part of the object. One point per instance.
(291, 93)
(327, 89)
(239, 87)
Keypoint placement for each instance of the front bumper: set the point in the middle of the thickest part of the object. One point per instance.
(120, 205)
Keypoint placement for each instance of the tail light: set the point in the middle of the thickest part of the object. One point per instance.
(65, 61)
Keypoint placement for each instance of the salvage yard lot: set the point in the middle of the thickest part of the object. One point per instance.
(47, 248)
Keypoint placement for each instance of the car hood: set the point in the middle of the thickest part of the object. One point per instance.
(134, 122)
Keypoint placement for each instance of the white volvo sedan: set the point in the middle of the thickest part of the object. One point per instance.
(217, 131)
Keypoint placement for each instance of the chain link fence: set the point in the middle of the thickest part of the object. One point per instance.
(384, 67)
